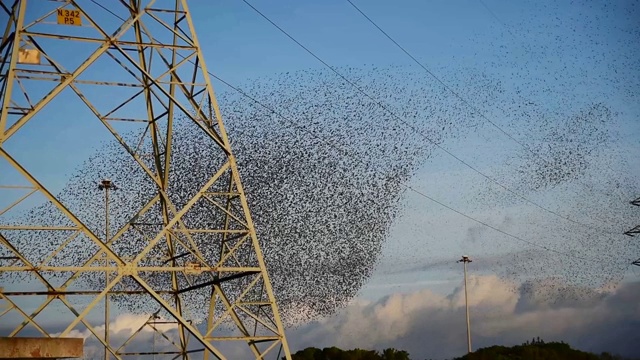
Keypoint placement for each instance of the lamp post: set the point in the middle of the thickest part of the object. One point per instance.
(465, 259)
(106, 185)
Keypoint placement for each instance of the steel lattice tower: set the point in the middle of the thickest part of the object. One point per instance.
(149, 51)
(635, 230)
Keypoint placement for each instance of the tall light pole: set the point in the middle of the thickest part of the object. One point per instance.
(106, 185)
(465, 259)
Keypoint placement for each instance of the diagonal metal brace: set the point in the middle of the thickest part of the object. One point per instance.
(633, 232)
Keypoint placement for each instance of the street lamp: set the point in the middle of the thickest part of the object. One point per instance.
(106, 185)
(465, 259)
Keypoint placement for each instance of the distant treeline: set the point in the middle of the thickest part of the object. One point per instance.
(334, 353)
(535, 349)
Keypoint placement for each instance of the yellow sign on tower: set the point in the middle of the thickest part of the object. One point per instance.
(69, 17)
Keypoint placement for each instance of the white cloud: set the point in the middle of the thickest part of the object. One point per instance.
(124, 325)
(122, 328)
(430, 325)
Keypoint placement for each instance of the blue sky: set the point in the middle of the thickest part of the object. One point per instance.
(526, 44)
(587, 50)
(535, 40)
(449, 37)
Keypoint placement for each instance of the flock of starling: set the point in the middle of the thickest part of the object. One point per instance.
(325, 171)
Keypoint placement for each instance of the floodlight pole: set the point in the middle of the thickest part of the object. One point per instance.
(465, 259)
(106, 185)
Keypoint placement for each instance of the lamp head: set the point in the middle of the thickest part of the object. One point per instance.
(106, 184)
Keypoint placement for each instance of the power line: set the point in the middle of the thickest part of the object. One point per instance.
(478, 111)
(107, 10)
(495, 17)
(474, 108)
(536, 58)
(610, 232)
(347, 153)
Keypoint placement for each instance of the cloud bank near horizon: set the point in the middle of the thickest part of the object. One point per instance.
(430, 325)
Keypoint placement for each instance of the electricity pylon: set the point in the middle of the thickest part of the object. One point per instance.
(145, 58)
(635, 230)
